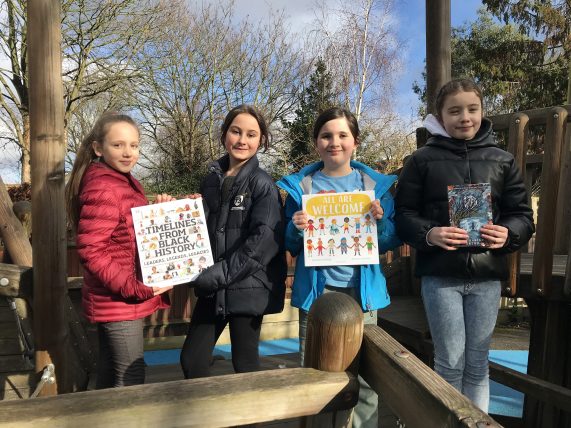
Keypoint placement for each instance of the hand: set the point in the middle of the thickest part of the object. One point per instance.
(494, 235)
(448, 238)
(193, 196)
(377, 210)
(161, 290)
(300, 219)
(164, 197)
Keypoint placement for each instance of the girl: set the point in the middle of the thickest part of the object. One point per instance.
(245, 225)
(461, 286)
(336, 136)
(100, 194)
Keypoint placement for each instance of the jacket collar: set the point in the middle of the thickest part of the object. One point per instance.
(291, 183)
(221, 165)
(99, 169)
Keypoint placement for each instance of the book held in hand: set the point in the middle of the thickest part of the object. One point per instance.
(341, 229)
(172, 241)
(470, 207)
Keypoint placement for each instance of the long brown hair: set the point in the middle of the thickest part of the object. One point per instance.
(84, 156)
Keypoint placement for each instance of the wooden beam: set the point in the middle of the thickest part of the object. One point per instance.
(213, 402)
(47, 143)
(15, 281)
(537, 388)
(416, 394)
(536, 117)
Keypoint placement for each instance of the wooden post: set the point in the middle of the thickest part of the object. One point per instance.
(47, 164)
(545, 231)
(438, 50)
(517, 146)
(334, 336)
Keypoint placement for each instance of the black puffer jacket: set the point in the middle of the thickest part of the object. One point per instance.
(422, 203)
(247, 237)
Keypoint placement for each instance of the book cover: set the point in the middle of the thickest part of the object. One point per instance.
(341, 230)
(470, 207)
(172, 241)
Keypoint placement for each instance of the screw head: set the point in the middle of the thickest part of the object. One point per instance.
(4, 282)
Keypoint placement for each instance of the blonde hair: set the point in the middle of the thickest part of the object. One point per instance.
(84, 156)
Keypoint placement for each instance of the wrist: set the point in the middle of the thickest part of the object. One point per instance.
(430, 244)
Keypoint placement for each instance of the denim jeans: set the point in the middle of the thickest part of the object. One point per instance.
(121, 359)
(366, 414)
(462, 315)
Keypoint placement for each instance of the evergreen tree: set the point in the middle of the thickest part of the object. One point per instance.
(317, 97)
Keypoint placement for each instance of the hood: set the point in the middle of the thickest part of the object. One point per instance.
(291, 183)
(441, 139)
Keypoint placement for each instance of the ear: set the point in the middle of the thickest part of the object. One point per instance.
(97, 148)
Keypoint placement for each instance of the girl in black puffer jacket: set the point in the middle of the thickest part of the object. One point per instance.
(461, 284)
(246, 229)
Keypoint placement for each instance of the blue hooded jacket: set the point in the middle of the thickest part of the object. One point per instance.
(306, 287)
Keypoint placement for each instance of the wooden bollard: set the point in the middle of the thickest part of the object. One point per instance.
(333, 340)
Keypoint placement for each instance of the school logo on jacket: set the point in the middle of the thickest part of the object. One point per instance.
(238, 203)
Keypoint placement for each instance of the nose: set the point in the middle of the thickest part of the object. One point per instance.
(464, 117)
(127, 151)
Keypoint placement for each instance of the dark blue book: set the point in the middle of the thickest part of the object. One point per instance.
(470, 207)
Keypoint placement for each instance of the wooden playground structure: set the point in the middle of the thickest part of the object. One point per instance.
(44, 349)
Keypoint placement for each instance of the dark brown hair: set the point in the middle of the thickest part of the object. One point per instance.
(252, 111)
(84, 156)
(337, 113)
(453, 87)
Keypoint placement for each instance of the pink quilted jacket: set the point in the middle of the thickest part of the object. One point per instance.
(112, 290)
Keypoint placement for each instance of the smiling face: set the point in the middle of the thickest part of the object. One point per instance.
(461, 115)
(242, 140)
(335, 144)
(120, 147)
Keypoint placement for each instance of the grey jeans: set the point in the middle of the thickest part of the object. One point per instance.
(366, 414)
(121, 357)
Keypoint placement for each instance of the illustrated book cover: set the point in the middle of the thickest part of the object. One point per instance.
(172, 240)
(341, 229)
(470, 207)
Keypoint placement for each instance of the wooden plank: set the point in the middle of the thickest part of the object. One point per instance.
(10, 346)
(536, 117)
(416, 394)
(537, 388)
(405, 313)
(214, 402)
(15, 281)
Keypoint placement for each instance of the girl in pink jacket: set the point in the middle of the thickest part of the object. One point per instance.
(100, 194)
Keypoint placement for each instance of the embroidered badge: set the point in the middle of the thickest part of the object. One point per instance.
(238, 203)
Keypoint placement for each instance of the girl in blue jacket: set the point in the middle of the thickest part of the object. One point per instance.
(336, 136)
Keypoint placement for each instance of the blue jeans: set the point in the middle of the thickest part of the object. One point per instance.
(366, 412)
(462, 315)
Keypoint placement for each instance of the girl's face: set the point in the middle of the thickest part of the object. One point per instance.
(461, 115)
(335, 145)
(120, 147)
(242, 140)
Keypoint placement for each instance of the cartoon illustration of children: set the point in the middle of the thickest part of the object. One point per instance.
(320, 247)
(356, 246)
(331, 247)
(343, 246)
(333, 229)
(368, 223)
(346, 225)
(310, 248)
(310, 228)
(370, 245)
(321, 226)
(357, 224)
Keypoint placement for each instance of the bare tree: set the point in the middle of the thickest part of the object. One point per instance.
(206, 64)
(100, 41)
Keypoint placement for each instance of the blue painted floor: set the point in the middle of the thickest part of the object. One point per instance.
(503, 400)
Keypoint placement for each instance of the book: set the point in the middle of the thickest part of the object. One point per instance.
(341, 229)
(172, 241)
(470, 207)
